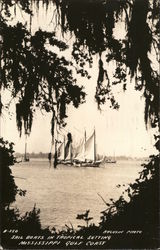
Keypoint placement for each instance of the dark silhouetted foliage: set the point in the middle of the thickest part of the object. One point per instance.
(93, 24)
(8, 187)
(35, 75)
(39, 77)
(139, 213)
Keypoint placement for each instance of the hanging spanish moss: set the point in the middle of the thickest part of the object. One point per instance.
(93, 24)
(103, 89)
(69, 141)
(53, 124)
(36, 76)
(24, 117)
(26, 61)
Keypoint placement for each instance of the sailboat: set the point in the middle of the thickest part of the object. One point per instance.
(26, 157)
(64, 153)
(84, 155)
(110, 160)
(87, 152)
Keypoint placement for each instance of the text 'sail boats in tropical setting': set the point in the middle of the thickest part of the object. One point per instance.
(84, 155)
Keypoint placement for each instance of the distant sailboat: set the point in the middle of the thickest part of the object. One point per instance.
(64, 153)
(111, 160)
(26, 157)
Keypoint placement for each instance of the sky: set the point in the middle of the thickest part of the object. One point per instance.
(121, 132)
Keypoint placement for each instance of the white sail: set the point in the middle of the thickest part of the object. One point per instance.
(61, 152)
(89, 148)
(79, 152)
(68, 157)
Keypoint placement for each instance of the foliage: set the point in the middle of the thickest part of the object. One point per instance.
(84, 217)
(39, 76)
(10, 218)
(8, 187)
(139, 213)
(35, 75)
(93, 24)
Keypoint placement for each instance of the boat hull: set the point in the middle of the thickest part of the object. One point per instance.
(87, 164)
(111, 161)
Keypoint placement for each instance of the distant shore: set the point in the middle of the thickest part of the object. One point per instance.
(41, 155)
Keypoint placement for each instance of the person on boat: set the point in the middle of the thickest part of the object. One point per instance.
(49, 158)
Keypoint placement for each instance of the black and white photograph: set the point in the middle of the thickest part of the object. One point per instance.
(79, 124)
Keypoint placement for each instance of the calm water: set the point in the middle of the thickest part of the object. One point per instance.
(63, 193)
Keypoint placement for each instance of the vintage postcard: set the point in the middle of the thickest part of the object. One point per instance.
(79, 124)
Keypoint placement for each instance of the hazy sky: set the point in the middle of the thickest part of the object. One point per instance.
(120, 132)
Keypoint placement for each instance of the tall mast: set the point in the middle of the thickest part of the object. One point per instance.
(25, 150)
(55, 153)
(71, 151)
(85, 138)
(64, 146)
(94, 145)
(114, 156)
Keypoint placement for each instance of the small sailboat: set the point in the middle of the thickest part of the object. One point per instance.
(110, 160)
(64, 153)
(26, 157)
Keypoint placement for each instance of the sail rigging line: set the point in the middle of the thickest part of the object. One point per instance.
(64, 147)
(71, 152)
(25, 149)
(85, 139)
(94, 145)
(50, 153)
(89, 148)
(63, 129)
(59, 132)
(56, 153)
(85, 136)
(78, 130)
(55, 157)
